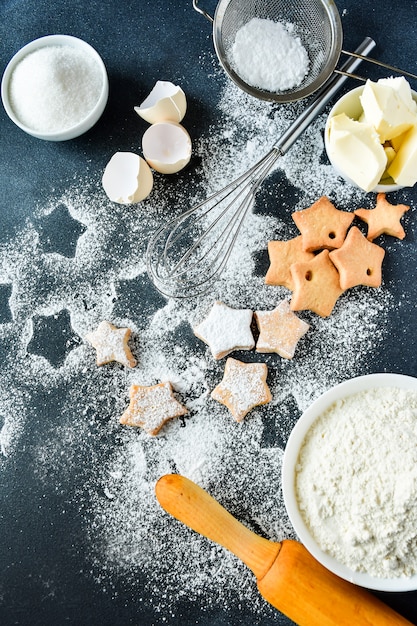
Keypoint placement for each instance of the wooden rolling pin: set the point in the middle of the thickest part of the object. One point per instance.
(287, 575)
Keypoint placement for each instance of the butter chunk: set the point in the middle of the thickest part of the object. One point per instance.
(389, 107)
(397, 141)
(403, 168)
(403, 90)
(355, 149)
(390, 154)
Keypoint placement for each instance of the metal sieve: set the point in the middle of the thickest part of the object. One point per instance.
(316, 22)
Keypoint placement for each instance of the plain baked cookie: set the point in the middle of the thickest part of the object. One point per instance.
(322, 225)
(282, 254)
(358, 261)
(384, 218)
(316, 285)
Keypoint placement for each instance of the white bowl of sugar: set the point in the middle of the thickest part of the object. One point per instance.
(55, 88)
(350, 481)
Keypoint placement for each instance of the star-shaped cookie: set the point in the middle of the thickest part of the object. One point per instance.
(151, 407)
(111, 344)
(225, 330)
(384, 218)
(279, 330)
(322, 225)
(358, 261)
(317, 285)
(282, 254)
(243, 387)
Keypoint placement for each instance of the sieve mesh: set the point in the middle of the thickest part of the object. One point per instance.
(316, 22)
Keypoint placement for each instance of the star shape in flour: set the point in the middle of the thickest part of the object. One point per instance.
(59, 232)
(111, 344)
(53, 337)
(151, 407)
(322, 225)
(225, 330)
(243, 387)
(282, 254)
(358, 261)
(384, 218)
(316, 285)
(279, 330)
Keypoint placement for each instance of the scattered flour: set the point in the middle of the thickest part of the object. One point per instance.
(357, 499)
(108, 472)
(268, 55)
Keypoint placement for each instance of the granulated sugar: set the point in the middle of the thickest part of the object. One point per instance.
(54, 88)
(129, 538)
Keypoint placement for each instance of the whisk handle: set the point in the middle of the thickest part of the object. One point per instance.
(324, 95)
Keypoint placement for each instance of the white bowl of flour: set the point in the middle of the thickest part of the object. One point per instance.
(55, 88)
(350, 481)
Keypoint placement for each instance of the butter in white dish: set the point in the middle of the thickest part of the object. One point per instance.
(384, 113)
(356, 149)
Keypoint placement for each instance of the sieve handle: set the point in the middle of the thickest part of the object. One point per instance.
(202, 11)
(326, 93)
(387, 66)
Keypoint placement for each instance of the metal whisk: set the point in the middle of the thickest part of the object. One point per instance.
(187, 254)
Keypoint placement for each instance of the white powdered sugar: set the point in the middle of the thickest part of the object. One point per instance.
(356, 498)
(268, 55)
(108, 471)
(226, 329)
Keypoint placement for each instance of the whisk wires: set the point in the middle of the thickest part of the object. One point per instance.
(186, 254)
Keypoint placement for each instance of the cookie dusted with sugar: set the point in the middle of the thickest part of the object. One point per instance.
(151, 407)
(111, 344)
(279, 330)
(322, 225)
(243, 387)
(225, 330)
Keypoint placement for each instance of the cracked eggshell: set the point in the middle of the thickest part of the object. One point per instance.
(167, 147)
(127, 178)
(166, 102)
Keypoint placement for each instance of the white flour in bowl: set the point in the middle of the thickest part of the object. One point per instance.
(356, 482)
